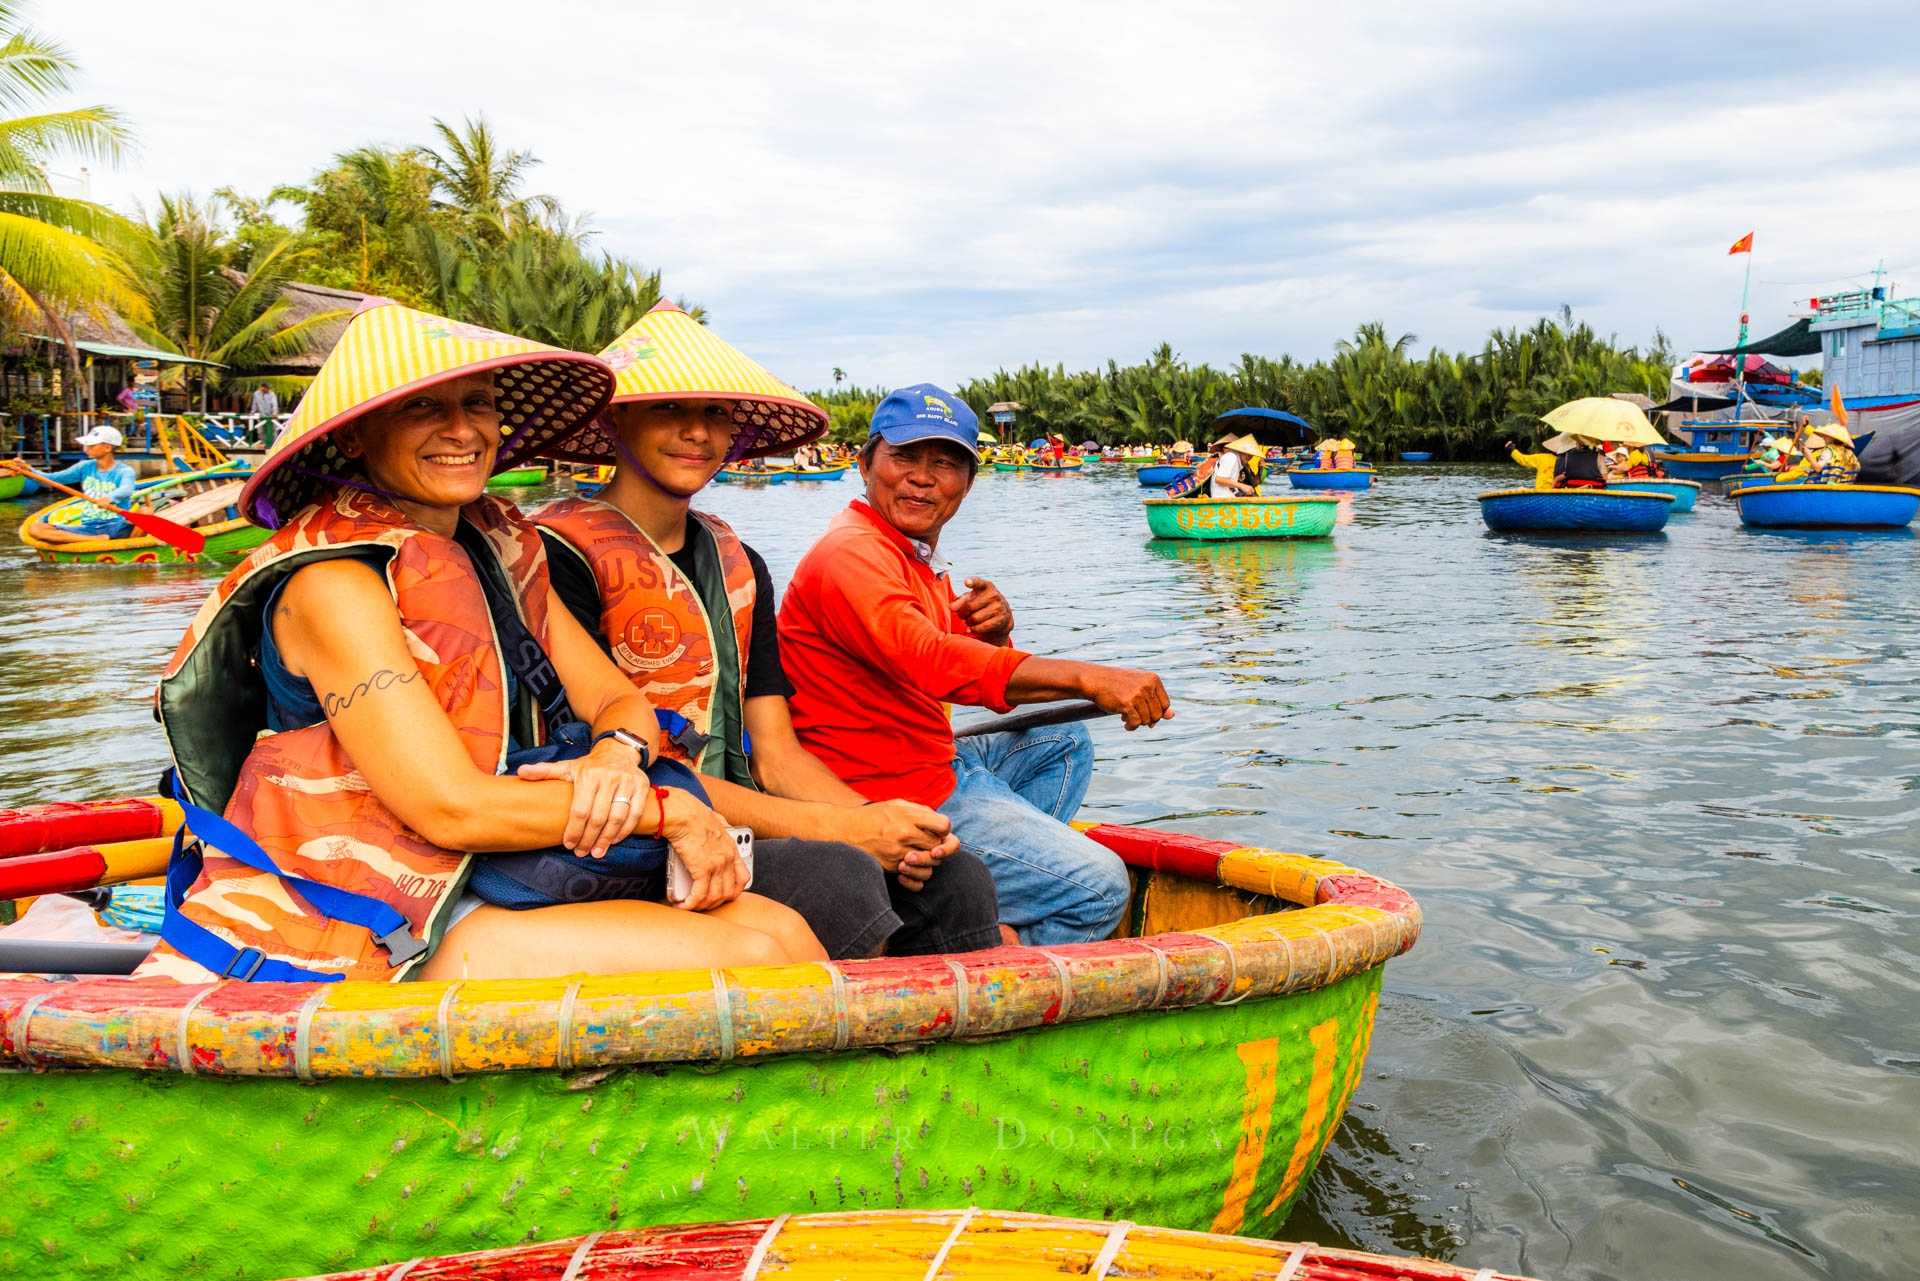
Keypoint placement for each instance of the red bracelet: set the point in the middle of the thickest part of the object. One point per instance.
(660, 831)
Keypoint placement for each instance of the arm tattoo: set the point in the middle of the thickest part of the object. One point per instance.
(385, 678)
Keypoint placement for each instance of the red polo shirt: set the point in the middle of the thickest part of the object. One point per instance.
(875, 652)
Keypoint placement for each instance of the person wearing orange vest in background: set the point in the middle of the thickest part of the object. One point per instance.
(344, 708)
(878, 646)
(687, 612)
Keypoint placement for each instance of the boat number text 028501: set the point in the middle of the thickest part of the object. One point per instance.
(1274, 516)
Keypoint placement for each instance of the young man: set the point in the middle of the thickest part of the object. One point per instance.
(687, 611)
(877, 645)
(101, 477)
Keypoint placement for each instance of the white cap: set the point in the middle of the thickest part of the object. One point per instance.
(103, 435)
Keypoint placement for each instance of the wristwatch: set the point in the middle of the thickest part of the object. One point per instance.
(625, 739)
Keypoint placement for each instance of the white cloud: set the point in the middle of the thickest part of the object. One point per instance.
(914, 191)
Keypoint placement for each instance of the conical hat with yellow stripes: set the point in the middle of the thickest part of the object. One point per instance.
(389, 351)
(668, 355)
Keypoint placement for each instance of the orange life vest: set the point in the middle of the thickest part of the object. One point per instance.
(296, 792)
(656, 625)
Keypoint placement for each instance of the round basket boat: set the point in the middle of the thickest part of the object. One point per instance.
(18, 487)
(518, 478)
(726, 477)
(818, 473)
(1683, 492)
(1331, 478)
(912, 1245)
(1416, 456)
(1189, 1074)
(1789, 506)
(205, 501)
(1160, 475)
(1575, 511)
(1685, 465)
(1282, 516)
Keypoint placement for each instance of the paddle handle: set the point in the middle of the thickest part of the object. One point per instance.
(1060, 714)
(63, 956)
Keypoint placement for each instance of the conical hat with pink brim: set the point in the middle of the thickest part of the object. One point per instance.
(389, 351)
(668, 355)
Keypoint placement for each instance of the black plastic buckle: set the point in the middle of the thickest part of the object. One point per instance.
(691, 741)
(259, 959)
(401, 946)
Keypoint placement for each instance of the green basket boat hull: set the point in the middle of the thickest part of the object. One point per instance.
(228, 545)
(1208, 1118)
(518, 478)
(1220, 518)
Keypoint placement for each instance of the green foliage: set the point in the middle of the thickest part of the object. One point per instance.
(849, 411)
(1457, 405)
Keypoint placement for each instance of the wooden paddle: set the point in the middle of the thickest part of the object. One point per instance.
(1059, 714)
(191, 541)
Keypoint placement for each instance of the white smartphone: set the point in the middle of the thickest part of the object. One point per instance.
(680, 881)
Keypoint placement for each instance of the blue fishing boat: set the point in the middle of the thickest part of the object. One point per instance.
(1683, 492)
(1575, 511)
(1160, 477)
(1791, 506)
(1415, 456)
(1716, 449)
(1331, 478)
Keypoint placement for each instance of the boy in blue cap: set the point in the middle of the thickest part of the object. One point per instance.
(877, 644)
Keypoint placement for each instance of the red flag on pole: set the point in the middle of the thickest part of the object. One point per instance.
(1744, 245)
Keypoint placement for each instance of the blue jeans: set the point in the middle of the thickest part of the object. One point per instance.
(1013, 796)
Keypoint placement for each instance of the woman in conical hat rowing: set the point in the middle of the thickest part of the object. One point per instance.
(396, 638)
(686, 609)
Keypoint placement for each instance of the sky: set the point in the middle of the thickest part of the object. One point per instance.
(916, 192)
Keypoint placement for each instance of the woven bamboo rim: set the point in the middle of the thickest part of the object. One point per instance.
(1822, 489)
(1577, 493)
(1350, 922)
(918, 1245)
(1254, 500)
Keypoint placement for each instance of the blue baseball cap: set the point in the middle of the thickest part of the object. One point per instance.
(925, 412)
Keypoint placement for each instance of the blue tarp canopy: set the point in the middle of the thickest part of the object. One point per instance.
(1271, 415)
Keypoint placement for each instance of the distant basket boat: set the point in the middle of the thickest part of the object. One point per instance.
(888, 1244)
(1415, 456)
(518, 478)
(1579, 511)
(1241, 1005)
(204, 501)
(1331, 477)
(1282, 516)
(1683, 492)
(1790, 506)
(740, 477)
(17, 487)
(818, 473)
(1160, 475)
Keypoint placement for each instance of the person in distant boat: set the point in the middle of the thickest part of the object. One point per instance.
(352, 693)
(1579, 466)
(806, 458)
(1828, 458)
(686, 610)
(878, 645)
(1233, 474)
(104, 479)
(1543, 464)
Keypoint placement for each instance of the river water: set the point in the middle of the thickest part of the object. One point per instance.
(1657, 797)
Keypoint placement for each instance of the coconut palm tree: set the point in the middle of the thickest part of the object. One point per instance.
(56, 252)
(203, 306)
(481, 180)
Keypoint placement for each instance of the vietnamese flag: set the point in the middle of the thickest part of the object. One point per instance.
(1744, 245)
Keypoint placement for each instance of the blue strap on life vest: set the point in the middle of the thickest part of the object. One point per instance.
(681, 733)
(211, 952)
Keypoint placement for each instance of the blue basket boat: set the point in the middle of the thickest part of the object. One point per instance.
(1791, 506)
(1683, 492)
(1331, 478)
(1161, 476)
(1415, 456)
(1575, 511)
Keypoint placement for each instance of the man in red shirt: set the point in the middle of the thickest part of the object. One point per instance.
(877, 645)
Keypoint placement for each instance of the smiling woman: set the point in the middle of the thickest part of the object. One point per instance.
(397, 641)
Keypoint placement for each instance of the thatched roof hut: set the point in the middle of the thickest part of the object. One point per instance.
(303, 301)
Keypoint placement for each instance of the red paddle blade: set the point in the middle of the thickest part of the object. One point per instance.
(191, 541)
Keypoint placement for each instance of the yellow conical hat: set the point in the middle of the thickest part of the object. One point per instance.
(1246, 445)
(668, 355)
(388, 351)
